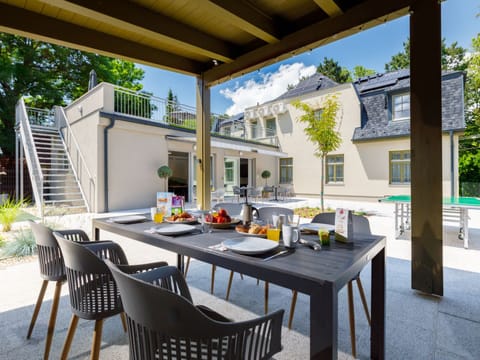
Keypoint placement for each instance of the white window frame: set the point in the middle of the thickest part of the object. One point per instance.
(335, 164)
(394, 112)
(405, 167)
(286, 166)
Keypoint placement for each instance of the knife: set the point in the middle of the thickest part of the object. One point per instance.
(276, 255)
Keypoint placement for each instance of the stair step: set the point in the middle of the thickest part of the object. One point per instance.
(63, 194)
(53, 147)
(43, 128)
(61, 201)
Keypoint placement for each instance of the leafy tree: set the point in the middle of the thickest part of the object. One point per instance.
(334, 71)
(469, 161)
(50, 75)
(359, 71)
(321, 130)
(171, 106)
(453, 57)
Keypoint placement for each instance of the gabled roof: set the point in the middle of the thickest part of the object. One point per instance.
(375, 95)
(309, 85)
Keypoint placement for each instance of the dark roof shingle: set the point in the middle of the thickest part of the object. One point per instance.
(375, 96)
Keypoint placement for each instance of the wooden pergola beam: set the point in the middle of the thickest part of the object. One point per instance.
(425, 141)
(246, 17)
(26, 23)
(363, 16)
(138, 19)
(329, 7)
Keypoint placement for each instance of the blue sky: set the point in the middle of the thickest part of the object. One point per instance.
(371, 49)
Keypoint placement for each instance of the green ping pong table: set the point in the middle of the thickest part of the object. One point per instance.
(454, 209)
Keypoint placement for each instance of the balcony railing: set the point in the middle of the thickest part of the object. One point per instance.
(174, 114)
(40, 117)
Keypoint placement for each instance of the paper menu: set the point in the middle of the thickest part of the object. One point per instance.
(164, 202)
(343, 225)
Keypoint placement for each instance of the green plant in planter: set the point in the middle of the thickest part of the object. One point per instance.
(164, 172)
(265, 175)
(9, 211)
(23, 244)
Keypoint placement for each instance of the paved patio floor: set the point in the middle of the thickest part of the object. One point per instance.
(417, 326)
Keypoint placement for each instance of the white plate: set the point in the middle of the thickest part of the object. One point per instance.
(314, 227)
(128, 219)
(174, 229)
(250, 245)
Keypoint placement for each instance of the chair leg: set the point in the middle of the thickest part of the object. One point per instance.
(241, 276)
(292, 308)
(212, 284)
(53, 319)
(38, 305)
(124, 321)
(187, 266)
(364, 300)
(230, 279)
(266, 297)
(68, 340)
(97, 340)
(351, 312)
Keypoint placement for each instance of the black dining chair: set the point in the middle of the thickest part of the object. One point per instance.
(94, 294)
(177, 329)
(52, 268)
(361, 225)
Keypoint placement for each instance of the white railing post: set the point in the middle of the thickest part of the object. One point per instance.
(36, 174)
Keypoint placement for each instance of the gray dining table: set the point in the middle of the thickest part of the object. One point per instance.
(319, 274)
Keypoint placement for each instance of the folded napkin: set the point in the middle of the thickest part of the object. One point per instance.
(219, 247)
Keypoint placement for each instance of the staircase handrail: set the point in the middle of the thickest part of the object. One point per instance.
(62, 122)
(33, 163)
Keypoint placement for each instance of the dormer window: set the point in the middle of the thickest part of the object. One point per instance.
(401, 106)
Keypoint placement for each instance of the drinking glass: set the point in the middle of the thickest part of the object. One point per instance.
(273, 232)
(157, 214)
(207, 221)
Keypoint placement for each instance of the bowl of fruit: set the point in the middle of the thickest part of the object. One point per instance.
(220, 219)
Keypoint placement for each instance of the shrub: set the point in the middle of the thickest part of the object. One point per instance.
(9, 212)
(23, 244)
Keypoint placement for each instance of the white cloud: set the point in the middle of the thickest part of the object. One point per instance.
(269, 87)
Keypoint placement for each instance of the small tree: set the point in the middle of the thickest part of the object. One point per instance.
(165, 172)
(321, 130)
(265, 175)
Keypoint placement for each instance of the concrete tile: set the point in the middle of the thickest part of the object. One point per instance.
(458, 336)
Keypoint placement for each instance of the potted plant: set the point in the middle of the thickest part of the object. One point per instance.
(165, 172)
(265, 175)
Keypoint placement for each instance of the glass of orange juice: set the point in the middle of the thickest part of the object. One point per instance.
(158, 215)
(273, 233)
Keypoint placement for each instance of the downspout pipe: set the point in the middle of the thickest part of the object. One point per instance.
(105, 159)
(452, 165)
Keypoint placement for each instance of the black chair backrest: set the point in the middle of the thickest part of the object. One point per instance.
(50, 257)
(93, 293)
(265, 213)
(361, 225)
(164, 324)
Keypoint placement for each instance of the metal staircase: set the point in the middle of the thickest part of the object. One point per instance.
(60, 187)
(54, 181)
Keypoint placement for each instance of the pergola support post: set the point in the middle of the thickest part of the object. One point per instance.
(426, 146)
(203, 163)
